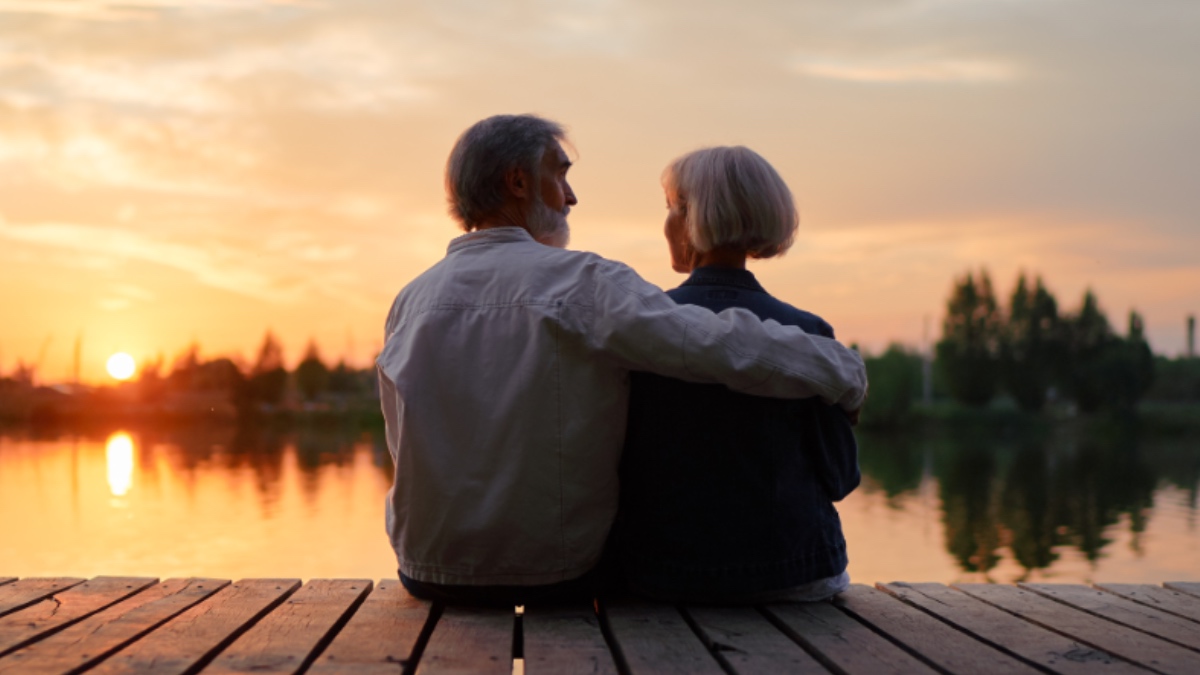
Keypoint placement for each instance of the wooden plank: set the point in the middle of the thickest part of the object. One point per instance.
(1189, 587)
(565, 639)
(1129, 644)
(7, 580)
(749, 643)
(938, 643)
(25, 592)
(100, 635)
(65, 608)
(656, 639)
(188, 641)
(470, 640)
(1175, 602)
(1126, 612)
(289, 638)
(840, 642)
(382, 636)
(1009, 633)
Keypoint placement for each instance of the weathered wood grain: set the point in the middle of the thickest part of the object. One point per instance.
(25, 592)
(655, 638)
(1126, 612)
(749, 643)
(91, 640)
(51, 614)
(935, 641)
(289, 638)
(565, 640)
(191, 639)
(1175, 602)
(381, 636)
(837, 640)
(470, 641)
(1189, 587)
(1129, 644)
(1003, 630)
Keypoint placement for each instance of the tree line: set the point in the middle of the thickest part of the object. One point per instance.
(1031, 351)
(264, 384)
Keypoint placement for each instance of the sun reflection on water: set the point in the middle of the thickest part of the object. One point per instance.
(118, 454)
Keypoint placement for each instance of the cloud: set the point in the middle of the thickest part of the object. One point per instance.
(909, 71)
(127, 9)
(269, 275)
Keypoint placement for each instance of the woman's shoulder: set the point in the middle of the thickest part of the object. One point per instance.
(790, 315)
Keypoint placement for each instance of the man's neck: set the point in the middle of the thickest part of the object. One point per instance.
(508, 215)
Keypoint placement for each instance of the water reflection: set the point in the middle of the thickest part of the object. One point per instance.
(118, 453)
(959, 502)
(205, 502)
(1021, 499)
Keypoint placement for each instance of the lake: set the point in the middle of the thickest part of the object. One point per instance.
(1075, 501)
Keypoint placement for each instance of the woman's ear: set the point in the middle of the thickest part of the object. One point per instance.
(517, 181)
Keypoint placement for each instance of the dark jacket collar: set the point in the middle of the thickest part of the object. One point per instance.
(721, 276)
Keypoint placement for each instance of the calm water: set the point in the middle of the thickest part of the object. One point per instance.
(1084, 502)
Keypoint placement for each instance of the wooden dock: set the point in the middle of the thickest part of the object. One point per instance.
(326, 626)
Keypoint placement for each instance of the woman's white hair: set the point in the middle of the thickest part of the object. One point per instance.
(734, 198)
(484, 153)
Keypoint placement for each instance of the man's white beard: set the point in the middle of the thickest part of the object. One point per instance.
(548, 226)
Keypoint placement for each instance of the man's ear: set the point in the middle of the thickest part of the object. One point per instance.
(518, 183)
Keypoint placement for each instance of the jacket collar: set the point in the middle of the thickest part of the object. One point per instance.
(720, 276)
(492, 235)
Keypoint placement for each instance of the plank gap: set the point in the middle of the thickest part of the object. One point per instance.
(886, 636)
(711, 645)
(431, 621)
(610, 639)
(518, 643)
(221, 646)
(965, 630)
(336, 628)
(807, 646)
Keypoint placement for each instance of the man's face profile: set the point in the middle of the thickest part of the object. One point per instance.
(552, 200)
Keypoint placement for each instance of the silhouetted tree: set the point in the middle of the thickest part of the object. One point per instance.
(895, 378)
(1129, 367)
(24, 373)
(1089, 338)
(968, 353)
(1032, 344)
(184, 368)
(268, 378)
(312, 376)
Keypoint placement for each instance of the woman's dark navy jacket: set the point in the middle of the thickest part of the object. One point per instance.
(729, 494)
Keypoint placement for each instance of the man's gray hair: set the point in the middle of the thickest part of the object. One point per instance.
(482, 156)
(733, 197)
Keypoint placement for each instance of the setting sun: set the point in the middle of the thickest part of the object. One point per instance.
(121, 366)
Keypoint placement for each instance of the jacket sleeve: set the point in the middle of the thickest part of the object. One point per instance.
(836, 453)
(640, 327)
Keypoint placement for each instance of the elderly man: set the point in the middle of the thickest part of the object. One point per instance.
(505, 379)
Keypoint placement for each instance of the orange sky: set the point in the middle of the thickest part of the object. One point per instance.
(203, 170)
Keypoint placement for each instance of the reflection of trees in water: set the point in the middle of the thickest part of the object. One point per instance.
(1037, 489)
(895, 462)
(259, 450)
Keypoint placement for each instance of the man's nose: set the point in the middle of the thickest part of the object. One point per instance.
(571, 200)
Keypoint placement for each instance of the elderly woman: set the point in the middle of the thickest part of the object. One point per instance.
(727, 497)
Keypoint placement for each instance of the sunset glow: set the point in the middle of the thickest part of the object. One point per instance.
(121, 366)
(201, 171)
